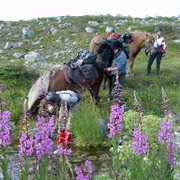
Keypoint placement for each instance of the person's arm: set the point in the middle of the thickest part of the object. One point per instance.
(120, 62)
(111, 68)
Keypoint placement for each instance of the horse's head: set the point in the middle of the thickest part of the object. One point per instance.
(149, 43)
(104, 55)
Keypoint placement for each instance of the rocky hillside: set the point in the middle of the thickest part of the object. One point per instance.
(47, 41)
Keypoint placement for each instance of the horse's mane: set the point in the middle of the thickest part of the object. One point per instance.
(106, 51)
(102, 46)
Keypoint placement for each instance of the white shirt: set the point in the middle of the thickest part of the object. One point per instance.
(159, 42)
(68, 97)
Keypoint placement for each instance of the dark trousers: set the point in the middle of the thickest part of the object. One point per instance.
(112, 84)
(158, 57)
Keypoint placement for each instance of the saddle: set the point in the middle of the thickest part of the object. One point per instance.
(82, 74)
(81, 69)
(125, 39)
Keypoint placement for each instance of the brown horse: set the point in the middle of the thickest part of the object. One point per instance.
(56, 79)
(140, 39)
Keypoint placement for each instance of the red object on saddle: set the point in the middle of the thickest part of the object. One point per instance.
(61, 137)
(113, 36)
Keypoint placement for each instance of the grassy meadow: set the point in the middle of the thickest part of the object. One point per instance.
(16, 78)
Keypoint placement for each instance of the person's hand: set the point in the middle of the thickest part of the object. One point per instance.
(163, 55)
(153, 52)
(109, 69)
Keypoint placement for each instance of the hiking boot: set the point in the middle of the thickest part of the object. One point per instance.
(61, 137)
(68, 138)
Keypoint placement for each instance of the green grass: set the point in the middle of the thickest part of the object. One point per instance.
(149, 87)
(86, 123)
(18, 79)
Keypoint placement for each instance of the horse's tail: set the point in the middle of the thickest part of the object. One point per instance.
(40, 87)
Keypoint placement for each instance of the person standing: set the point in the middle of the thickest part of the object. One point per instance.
(119, 66)
(158, 51)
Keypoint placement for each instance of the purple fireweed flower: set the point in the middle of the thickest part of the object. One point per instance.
(43, 137)
(172, 159)
(88, 165)
(79, 173)
(171, 147)
(166, 137)
(116, 120)
(5, 129)
(87, 168)
(164, 133)
(41, 142)
(140, 144)
(118, 91)
(26, 145)
(64, 152)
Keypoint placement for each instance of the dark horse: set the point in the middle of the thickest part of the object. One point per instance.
(56, 79)
(140, 39)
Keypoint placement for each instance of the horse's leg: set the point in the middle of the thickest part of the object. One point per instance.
(130, 65)
(105, 81)
(134, 51)
(35, 109)
(110, 85)
(29, 113)
(94, 93)
(94, 90)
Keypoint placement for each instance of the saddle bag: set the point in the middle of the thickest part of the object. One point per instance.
(88, 70)
(127, 37)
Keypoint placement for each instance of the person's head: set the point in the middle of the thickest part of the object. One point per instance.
(158, 30)
(52, 98)
(117, 46)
